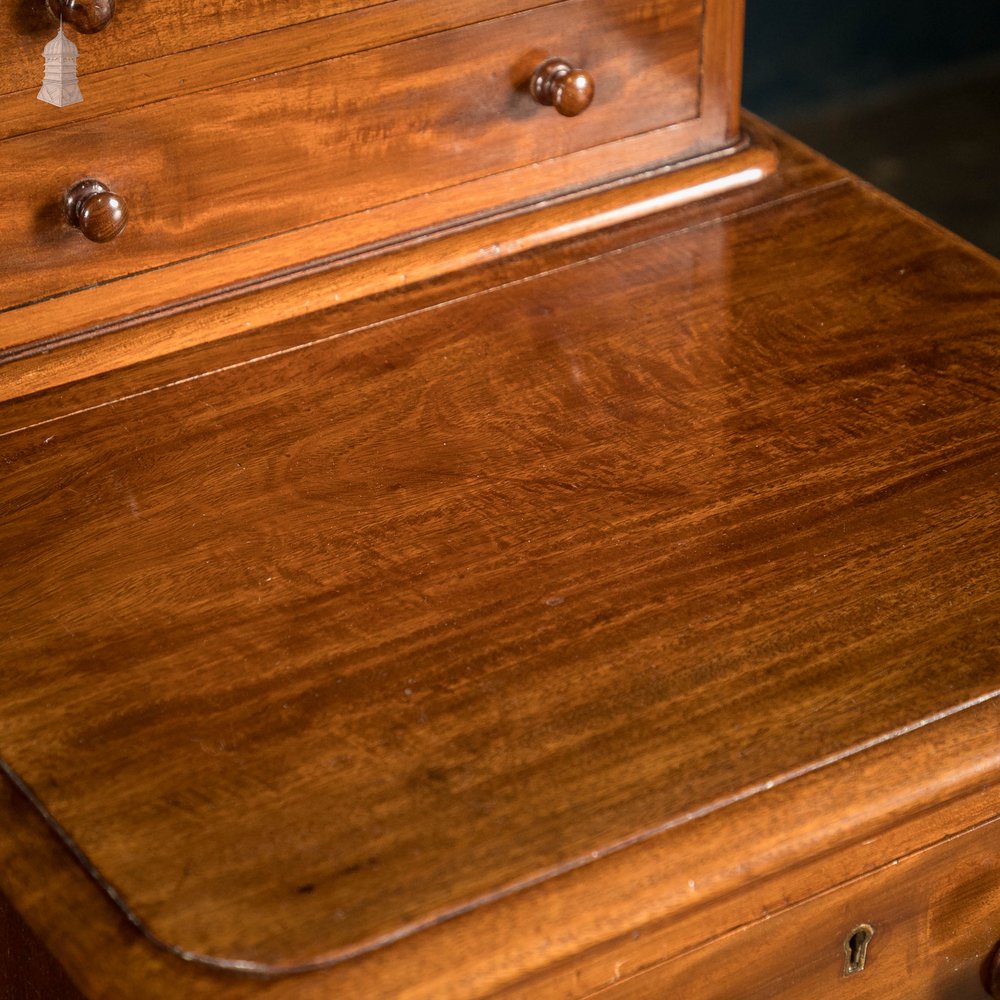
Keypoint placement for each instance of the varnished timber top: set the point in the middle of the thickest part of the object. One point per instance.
(339, 646)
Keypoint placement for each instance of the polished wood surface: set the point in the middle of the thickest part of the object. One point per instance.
(134, 129)
(99, 213)
(250, 270)
(148, 29)
(160, 321)
(490, 560)
(363, 641)
(558, 84)
(606, 935)
(86, 16)
(270, 48)
(337, 137)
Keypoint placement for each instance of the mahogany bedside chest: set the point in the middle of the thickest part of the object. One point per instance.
(480, 518)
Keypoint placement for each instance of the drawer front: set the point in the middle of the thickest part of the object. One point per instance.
(931, 922)
(235, 164)
(145, 29)
(116, 73)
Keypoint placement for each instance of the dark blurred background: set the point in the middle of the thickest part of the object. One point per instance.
(906, 94)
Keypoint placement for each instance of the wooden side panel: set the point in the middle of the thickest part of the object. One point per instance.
(27, 969)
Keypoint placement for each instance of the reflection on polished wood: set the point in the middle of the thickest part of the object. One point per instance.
(96, 211)
(458, 650)
(87, 16)
(165, 325)
(558, 84)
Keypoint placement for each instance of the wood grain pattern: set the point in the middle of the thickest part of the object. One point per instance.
(98, 213)
(240, 58)
(337, 137)
(752, 456)
(935, 918)
(161, 326)
(253, 267)
(605, 934)
(800, 852)
(146, 29)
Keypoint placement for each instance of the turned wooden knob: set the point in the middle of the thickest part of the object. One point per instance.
(96, 211)
(565, 88)
(87, 16)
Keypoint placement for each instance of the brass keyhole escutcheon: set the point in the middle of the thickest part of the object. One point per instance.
(856, 948)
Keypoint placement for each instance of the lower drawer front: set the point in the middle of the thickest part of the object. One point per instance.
(936, 923)
(234, 164)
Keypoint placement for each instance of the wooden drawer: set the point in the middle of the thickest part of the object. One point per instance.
(137, 59)
(144, 29)
(231, 165)
(931, 922)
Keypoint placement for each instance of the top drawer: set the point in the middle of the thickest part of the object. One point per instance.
(144, 29)
(140, 55)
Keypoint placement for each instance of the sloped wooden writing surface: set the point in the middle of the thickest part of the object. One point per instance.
(308, 653)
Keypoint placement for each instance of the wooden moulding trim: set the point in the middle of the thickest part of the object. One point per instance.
(227, 271)
(55, 360)
(718, 853)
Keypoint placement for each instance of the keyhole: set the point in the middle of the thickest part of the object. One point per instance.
(856, 948)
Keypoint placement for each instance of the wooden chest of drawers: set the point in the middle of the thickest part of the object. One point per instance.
(338, 132)
(452, 550)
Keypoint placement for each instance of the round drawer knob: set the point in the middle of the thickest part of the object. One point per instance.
(96, 211)
(565, 88)
(87, 16)
(993, 975)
